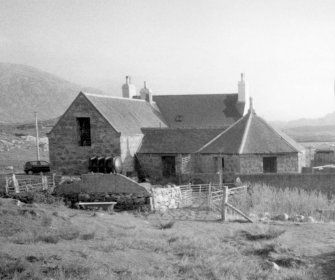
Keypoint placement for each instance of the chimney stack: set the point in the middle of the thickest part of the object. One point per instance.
(128, 89)
(146, 93)
(242, 89)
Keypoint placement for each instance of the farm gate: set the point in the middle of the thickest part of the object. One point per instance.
(213, 198)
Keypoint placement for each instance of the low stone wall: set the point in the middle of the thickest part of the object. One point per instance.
(167, 198)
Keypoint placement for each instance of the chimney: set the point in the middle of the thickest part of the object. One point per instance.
(146, 93)
(251, 106)
(128, 89)
(242, 89)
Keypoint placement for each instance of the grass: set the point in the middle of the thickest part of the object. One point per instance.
(46, 245)
(260, 199)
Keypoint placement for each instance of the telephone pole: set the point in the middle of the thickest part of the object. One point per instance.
(37, 138)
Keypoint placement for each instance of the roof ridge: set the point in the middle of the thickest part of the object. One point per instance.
(196, 94)
(279, 133)
(219, 135)
(112, 97)
(246, 132)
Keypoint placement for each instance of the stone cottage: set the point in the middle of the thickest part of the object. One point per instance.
(168, 135)
(104, 126)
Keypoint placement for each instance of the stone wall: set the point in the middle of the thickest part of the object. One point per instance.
(152, 165)
(129, 147)
(66, 156)
(286, 163)
(169, 198)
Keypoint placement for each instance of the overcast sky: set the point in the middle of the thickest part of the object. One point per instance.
(286, 47)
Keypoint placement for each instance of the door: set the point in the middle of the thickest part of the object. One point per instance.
(169, 166)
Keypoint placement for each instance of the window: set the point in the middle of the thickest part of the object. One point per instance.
(269, 164)
(217, 163)
(84, 131)
(169, 166)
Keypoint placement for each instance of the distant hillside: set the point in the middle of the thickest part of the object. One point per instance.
(312, 133)
(327, 120)
(24, 89)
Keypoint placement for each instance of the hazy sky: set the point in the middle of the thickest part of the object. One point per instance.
(285, 47)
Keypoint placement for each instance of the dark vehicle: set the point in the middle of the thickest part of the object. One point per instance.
(36, 166)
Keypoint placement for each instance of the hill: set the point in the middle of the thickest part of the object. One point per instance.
(327, 120)
(24, 90)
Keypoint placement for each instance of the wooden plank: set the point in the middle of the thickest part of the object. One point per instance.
(237, 188)
(239, 212)
(97, 203)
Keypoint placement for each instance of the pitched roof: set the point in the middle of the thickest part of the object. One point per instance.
(175, 141)
(200, 110)
(127, 116)
(251, 135)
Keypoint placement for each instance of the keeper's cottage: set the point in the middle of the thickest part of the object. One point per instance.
(170, 135)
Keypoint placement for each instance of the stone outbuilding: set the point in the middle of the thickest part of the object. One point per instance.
(250, 146)
(167, 152)
(99, 126)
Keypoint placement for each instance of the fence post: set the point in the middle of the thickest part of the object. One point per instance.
(223, 204)
(7, 184)
(53, 180)
(209, 194)
(44, 182)
(16, 184)
(151, 204)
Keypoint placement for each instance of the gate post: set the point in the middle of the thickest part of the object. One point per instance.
(209, 195)
(223, 204)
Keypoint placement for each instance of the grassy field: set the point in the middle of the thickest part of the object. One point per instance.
(54, 242)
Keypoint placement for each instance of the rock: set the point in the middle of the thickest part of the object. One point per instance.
(281, 217)
(267, 265)
(275, 266)
(297, 218)
(253, 216)
(310, 219)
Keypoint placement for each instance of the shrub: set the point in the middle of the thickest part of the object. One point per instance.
(87, 236)
(166, 224)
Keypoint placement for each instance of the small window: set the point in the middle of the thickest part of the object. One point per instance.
(179, 118)
(217, 161)
(269, 164)
(84, 131)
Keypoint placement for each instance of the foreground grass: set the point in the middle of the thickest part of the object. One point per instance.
(45, 242)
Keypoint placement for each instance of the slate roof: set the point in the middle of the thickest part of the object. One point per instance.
(200, 110)
(175, 141)
(126, 115)
(251, 135)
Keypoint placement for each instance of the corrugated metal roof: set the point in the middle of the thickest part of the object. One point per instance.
(251, 135)
(175, 141)
(127, 116)
(200, 110)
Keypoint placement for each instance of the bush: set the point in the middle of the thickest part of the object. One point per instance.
(166, 224)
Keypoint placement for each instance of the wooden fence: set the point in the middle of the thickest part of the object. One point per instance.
(27, 183)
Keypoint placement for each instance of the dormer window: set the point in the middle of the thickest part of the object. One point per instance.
(179, 118)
